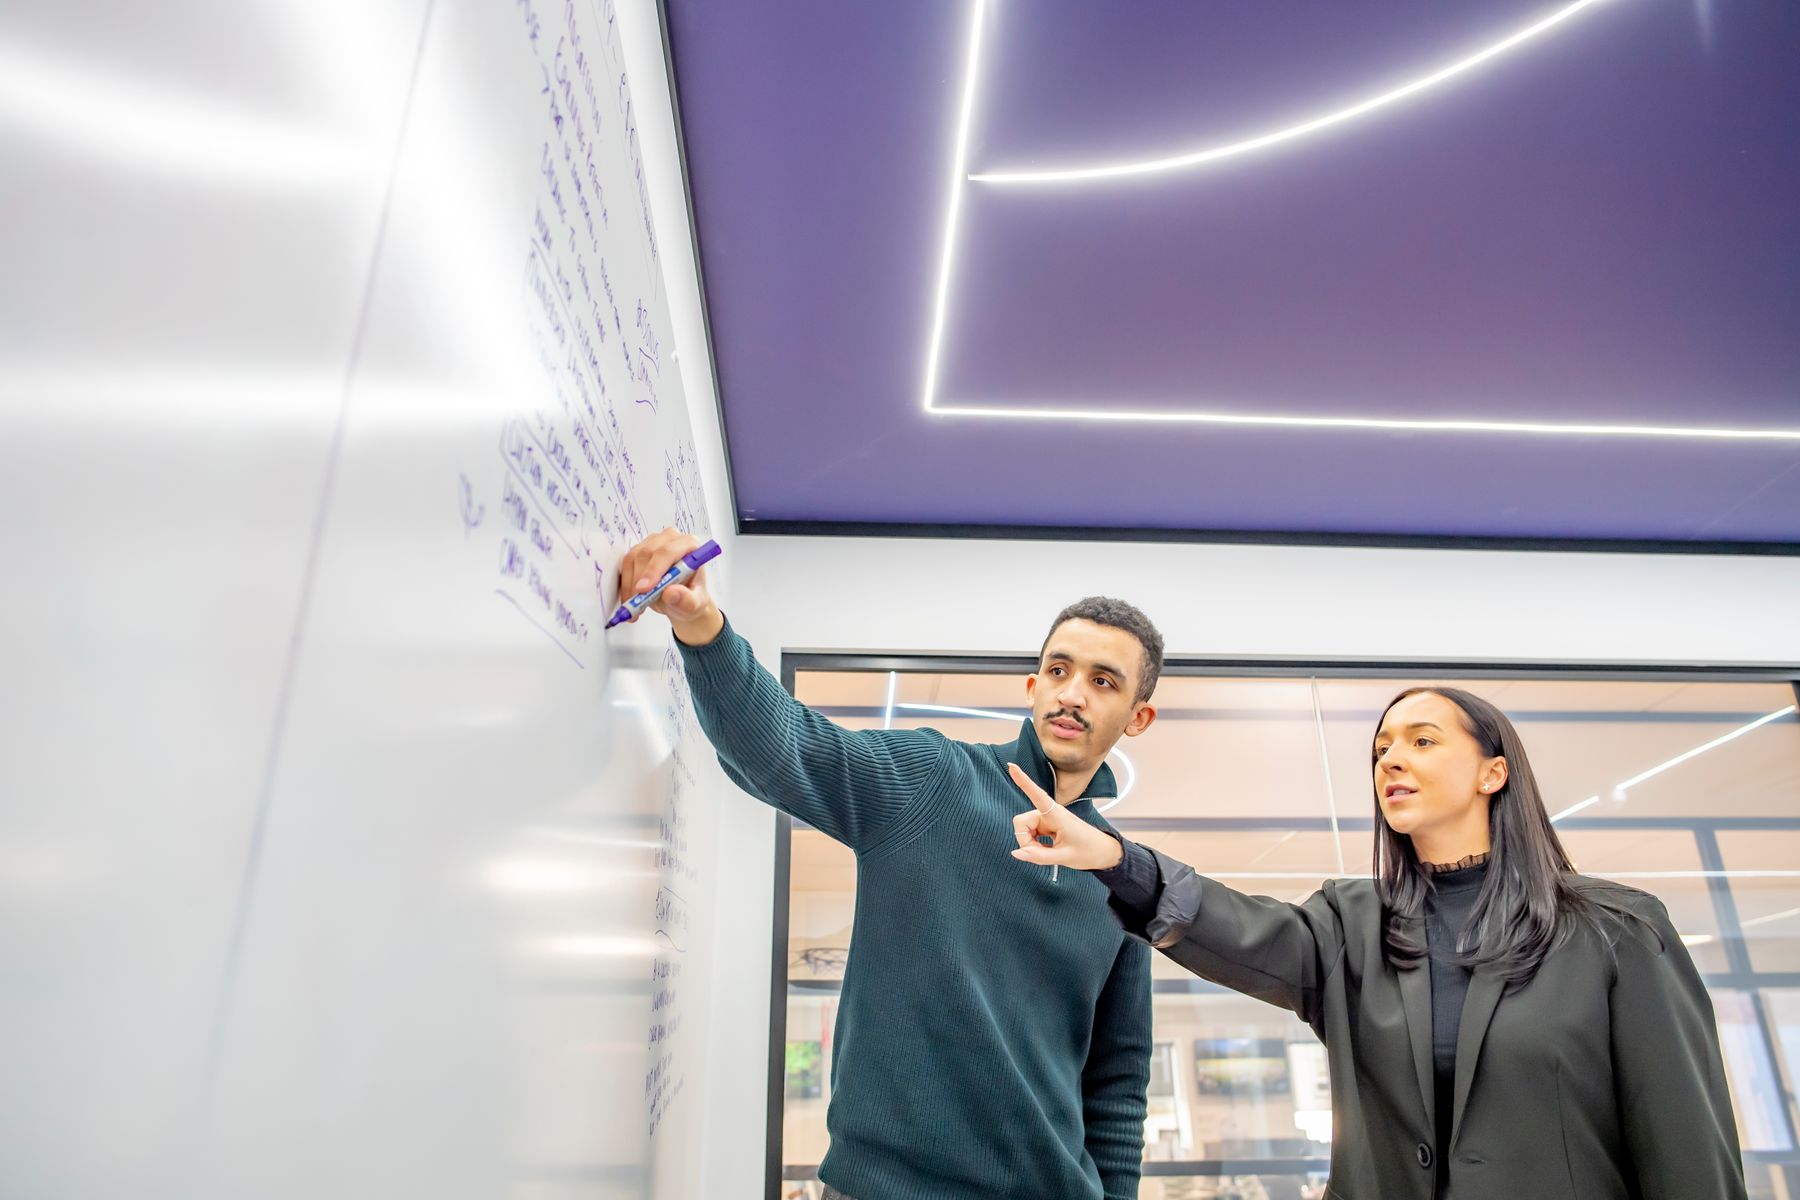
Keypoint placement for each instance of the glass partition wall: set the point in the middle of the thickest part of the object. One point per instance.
(1685, 785)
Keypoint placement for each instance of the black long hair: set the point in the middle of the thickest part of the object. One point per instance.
(1529, 901)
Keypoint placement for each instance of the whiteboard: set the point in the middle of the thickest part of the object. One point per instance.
(341, 852)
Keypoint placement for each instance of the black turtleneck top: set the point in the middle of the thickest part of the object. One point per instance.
(1454, 889)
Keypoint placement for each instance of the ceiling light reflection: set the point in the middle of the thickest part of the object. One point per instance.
(530, 876)
(592, 946)
(1619, 790)
(1739, 732)
(1784, 915)
(151, 126)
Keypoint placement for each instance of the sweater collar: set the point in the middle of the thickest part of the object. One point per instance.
(1028, 752)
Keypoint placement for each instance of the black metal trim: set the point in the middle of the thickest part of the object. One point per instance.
(1193, 986)
(1785, 980)
(758, 527)
(1765, 1028)
(1238, 1166)
(1714, 980)
(1208, 1167)
(1737, 956)
(778, 987)
(778, 938)
(1742, 975)
(1213, 1167)
(1296, 667)
(1167, 713)
(693, 223)
(1731, 931)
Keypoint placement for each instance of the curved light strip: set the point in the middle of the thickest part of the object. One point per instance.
(953, 710)
(1213, 154)
(1041, 411)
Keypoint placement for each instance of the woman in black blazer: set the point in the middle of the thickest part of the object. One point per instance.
(1498, 1027)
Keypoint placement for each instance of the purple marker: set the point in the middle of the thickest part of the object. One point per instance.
(682, 571)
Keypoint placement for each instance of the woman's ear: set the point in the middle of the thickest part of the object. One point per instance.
(1493, 776)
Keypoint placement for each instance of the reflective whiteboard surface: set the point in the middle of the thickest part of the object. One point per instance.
(340, 853)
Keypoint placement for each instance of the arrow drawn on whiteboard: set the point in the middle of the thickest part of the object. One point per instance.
(671, 917)
(472, 513)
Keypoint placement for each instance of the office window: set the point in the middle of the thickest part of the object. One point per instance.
(1686, 787)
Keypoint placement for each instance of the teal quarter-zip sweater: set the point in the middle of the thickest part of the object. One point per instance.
(993, 1036)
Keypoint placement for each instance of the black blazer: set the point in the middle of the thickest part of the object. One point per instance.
(1600, 1079)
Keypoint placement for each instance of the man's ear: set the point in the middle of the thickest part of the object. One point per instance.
(1140, 719)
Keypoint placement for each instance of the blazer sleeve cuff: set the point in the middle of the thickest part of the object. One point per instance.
(1177, 904)
(1178, 907)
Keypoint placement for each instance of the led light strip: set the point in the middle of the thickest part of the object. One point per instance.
(1194, 158)
(953, 207)
(1041, 411)
(1188, 417)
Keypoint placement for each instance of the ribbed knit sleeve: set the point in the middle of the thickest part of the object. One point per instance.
(1117, 1075)
(850, 784)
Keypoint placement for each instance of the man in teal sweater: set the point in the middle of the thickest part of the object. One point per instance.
(993, 1037)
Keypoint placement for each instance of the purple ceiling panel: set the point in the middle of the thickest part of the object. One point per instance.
(1599, 225)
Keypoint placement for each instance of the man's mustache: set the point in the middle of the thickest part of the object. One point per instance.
(1062, 714)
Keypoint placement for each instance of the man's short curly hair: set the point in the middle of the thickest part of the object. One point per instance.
(1103, 610)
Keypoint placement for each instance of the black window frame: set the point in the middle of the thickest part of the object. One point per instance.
(1741, 976)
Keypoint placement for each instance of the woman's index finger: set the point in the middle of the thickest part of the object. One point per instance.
(1039, 799)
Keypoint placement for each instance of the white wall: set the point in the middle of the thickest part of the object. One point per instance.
(974, 596)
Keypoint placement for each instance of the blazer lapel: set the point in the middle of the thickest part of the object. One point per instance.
(1478, 1010)
(1415, 997)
